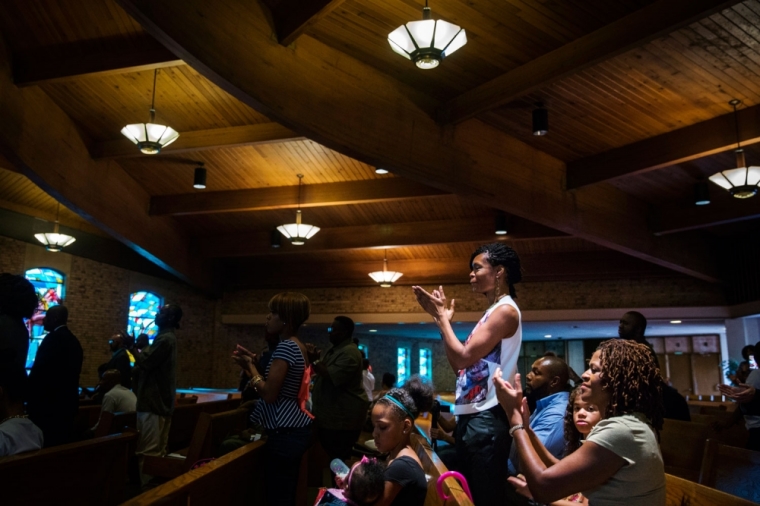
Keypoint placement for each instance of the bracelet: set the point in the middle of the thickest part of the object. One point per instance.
(514, 428)
(256, 379)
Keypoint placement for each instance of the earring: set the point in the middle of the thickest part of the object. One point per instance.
(497, 288)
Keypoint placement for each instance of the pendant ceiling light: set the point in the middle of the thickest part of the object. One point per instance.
(385, 277)
(540, 120)
(150, 137)
(199, 177)
(55, 241)
(741, 182)
(428, 41)
(298, 232)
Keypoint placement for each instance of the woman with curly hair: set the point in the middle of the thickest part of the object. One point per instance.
(393, 417)
(620, 460)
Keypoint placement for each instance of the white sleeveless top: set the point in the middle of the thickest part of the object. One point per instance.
(475, 389)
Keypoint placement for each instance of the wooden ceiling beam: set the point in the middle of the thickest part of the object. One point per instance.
(272, 272)
(353, 108)
(198, 140)
(688, 143)
(671, 221)
(388, 235)
(636, 29)
(63, 62)
(292, 18)
(44, 144)
(286, 197)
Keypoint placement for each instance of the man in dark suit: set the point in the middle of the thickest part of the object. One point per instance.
(54, 380)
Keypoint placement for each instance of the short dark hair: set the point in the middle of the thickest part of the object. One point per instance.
(292, 308)
(500, 254)
(640, 319)
(18, 299)
(347, 324)
(389, 379)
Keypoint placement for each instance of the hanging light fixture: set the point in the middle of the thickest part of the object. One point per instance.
(150, 137)
(701, 193)
(385, 277)
(501, 224)
(741, 182)
(199, 179)
(275, 239)
(428, 41)
(55, 241)
(298, 232)
(540, 120)
(380, 170)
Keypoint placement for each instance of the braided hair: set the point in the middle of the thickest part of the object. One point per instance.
(416, 396)
(630, 374)
(498, 253)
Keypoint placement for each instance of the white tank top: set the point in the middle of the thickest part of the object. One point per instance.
(475, 389)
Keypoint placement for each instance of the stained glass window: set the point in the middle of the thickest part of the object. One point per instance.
(403, 365)
(143, 308)
(49, 285)
(426, 363)
(364, 350)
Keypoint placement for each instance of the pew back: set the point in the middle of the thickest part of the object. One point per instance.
(185, 418)
(682, 445)
(733, 470)
(114, 423)
(680, 492)
(433, 467)
(232, 479)
(92, 472)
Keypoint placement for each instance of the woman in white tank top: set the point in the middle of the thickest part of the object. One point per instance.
(482, 439)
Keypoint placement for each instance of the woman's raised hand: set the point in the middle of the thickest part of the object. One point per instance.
(244, 351)
(434, 303)
(510, 398)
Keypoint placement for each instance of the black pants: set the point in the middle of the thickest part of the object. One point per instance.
(753, 443)
(482, 444)
(338, 443)
(283, 452)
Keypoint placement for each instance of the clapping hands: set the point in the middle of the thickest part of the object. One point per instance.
(511, 399)
(434, 303)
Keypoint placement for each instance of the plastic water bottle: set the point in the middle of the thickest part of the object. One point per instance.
(340, 468)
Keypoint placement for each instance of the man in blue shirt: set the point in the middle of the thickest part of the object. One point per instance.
(546, 385)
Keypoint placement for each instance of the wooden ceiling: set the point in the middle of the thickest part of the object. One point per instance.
(637, 93)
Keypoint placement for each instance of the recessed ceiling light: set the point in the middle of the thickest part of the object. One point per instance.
(547, 336)
(378, 170)
(373, 330)
(675, 321)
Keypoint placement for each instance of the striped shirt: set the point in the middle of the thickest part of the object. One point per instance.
(284, 411)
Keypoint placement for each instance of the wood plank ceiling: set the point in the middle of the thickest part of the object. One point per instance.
(96, 62)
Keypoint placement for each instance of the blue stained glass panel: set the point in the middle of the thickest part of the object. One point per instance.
(403, 365)
(143, 308)
(363, 348)
(426, 363)
(50, 288)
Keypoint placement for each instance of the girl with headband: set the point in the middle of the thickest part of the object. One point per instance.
(393, 417)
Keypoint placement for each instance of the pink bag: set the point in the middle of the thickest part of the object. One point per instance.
(303, 392)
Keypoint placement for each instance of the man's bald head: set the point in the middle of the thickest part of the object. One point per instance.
(110, 379)
(55, 317)
(632, 326)
(548, 376)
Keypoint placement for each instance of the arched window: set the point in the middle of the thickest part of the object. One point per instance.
(49, 285)
(143, 308)
(426, 363)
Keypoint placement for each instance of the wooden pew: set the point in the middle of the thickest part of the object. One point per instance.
(736, 435)
(210, 431)
(114, 423)
(185, 418)
(433, 467)
(235, 478)
(682, 445)
(92, 472)
(680, 492)
(732, 470)
(87, 417)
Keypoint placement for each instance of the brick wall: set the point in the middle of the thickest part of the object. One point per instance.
(97, 296)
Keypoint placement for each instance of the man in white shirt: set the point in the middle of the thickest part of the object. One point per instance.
(17, 433)
(116, 398)
(368, 379)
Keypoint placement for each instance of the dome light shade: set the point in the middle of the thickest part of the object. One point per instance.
(54, 241)
(298, 232)
(385, 277)
(701, 193)
(150, 137)
(427, 42)
(741, 182)
(199, 178)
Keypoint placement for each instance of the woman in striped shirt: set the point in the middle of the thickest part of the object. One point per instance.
(288, 428)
